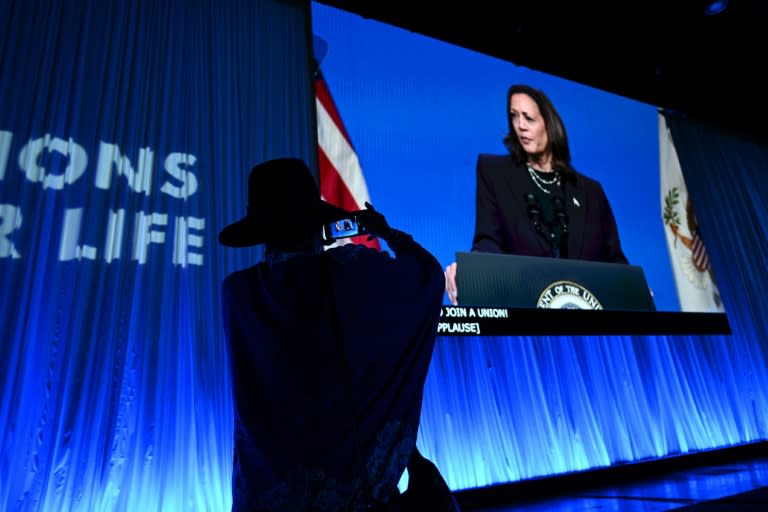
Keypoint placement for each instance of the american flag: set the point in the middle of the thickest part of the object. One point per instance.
(699, 253)
(341, 178)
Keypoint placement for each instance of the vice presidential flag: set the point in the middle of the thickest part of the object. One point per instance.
(694, 279)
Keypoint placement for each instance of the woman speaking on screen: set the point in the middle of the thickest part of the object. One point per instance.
(532, 201)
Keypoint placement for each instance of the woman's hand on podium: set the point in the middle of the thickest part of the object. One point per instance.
(450, 283)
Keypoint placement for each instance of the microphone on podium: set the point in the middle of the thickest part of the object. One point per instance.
(534, 211)
(560, 214)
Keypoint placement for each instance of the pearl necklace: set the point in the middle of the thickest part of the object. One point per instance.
(541, 182)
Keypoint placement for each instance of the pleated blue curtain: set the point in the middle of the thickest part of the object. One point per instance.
(127, 131)
(727, 173)
(504, 409)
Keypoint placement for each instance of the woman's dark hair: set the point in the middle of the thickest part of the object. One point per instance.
(558, 139)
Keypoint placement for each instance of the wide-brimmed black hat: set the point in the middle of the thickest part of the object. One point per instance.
(283, 204)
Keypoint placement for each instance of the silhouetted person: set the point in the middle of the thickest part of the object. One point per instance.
(329, 351)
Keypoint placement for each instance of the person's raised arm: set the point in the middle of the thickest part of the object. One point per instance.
(401, 243)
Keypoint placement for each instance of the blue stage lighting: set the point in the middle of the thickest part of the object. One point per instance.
(715, 7)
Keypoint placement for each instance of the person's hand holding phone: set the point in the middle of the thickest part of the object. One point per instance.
(374, 222)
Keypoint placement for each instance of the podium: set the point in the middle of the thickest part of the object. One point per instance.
(502, 295)
(505, 280)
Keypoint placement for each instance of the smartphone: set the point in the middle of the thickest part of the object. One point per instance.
(343, 228)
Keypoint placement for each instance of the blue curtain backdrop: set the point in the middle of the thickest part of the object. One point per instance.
(727, 173)
(504, 409)
(127, 130)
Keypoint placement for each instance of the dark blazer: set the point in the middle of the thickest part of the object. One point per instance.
(502, 224)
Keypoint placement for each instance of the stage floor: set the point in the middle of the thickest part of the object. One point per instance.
(732, 486)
